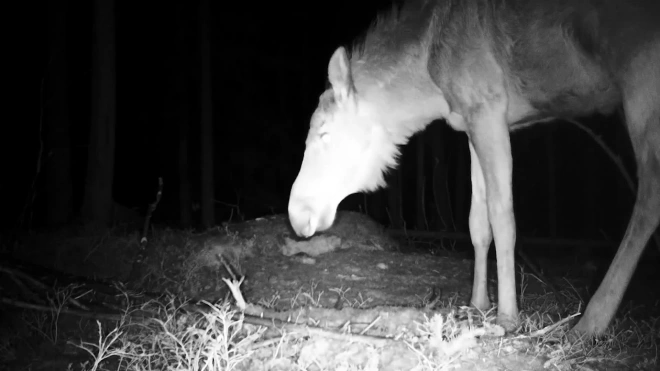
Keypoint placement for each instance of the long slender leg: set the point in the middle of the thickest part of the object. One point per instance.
(480, 233)
(481, 101)
(642, 107)
(646, 213)
(493, 148)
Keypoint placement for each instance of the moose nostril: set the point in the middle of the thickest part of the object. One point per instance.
(310, 226)
(303, 219)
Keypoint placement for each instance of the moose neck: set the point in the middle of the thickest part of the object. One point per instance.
(390, 70)
(404, 97)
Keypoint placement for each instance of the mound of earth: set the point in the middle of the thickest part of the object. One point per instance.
(356, 255)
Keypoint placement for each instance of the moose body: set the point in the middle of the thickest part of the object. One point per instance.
(488, 67)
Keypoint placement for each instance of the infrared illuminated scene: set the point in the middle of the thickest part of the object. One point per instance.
(468, 185)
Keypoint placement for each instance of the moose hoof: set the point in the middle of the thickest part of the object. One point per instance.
(509, 323)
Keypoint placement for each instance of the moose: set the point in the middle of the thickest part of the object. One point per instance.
(489, 67)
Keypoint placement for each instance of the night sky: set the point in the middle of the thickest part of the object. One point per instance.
(269, 65)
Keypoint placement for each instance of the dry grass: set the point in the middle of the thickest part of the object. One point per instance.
(216, 337)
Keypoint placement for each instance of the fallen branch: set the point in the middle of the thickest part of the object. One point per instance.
(544, 331)
(79, 313)
(547, 242)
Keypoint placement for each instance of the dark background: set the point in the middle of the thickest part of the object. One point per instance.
(269, 65)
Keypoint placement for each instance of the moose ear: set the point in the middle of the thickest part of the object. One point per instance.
(339, 74)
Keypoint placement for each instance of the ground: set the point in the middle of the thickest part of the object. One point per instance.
(350, 299)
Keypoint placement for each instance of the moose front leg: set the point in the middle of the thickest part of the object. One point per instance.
(480, 233)
(489, 140)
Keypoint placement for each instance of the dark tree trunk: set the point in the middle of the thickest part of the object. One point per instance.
(440, 183)
(591, 185)
(180, 110)
(97, 204)
(420, 186)
(185, 199)
(394, 198)
(57, 162)
(552, 181)
(207, 198)
(463, 186)
(376, 206)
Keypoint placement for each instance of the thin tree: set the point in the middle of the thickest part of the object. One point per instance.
(57, 162)
(98, 203)
(206, 114)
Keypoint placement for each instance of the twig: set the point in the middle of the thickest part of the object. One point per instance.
(150, 210)
(15, 274)
(542, 277)
(615, 159)
(45, 308)
(618, 163)
(234, 287)
(549, 328)
(370, 325)
(311, 330)
(227, 266)
(141, 254)
(32, 193)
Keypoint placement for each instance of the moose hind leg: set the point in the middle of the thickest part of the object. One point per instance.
(642, 107)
